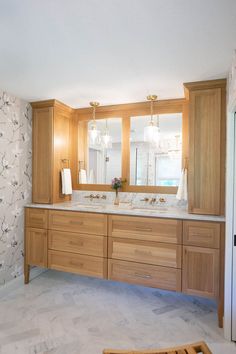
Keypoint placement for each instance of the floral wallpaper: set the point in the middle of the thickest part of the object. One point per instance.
(15, 182)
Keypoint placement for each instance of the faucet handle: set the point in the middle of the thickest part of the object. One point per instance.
(144, 200)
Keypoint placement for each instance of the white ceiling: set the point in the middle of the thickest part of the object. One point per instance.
(114, 51)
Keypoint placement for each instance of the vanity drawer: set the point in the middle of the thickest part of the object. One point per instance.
(37, 218)
(78, 243)
(143, 274)
(75, 221)
(162, 254)
(77, 263)
(149, 229)
(201, 233)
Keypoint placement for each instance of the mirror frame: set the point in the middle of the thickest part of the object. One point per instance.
(125, 112)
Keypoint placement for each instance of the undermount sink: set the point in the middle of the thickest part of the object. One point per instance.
(88, 206)
(154, 209)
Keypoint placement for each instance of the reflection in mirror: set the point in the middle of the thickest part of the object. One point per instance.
(156, 163)
(100, 157)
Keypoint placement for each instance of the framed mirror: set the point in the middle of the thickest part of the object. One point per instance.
(156, 160)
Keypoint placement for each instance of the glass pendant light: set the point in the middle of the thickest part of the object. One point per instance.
(94, 133)
(106, 138)
(152, 130)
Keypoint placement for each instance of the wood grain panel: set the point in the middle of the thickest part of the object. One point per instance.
(77, 263)
(42, 155)
(201, 233)
(149, 229)
(143, 274)
(36, 247)
(89, 223)
(61, 151)
(77, 243)
(200, 274)
(37, 218)
(206, 140)
(162, 254)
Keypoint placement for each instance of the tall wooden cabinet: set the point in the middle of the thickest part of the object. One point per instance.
(51, 149)
(206, 168)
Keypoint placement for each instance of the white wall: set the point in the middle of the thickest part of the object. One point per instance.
(15, 182)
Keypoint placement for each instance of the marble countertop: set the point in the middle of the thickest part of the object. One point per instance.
(126, 209)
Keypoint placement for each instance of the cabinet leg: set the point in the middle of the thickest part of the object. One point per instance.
(220, 313)
(26, 273)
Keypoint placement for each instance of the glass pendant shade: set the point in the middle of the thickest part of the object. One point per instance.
(151, 133)
(106, 141)
(94, 134)
(106, 138)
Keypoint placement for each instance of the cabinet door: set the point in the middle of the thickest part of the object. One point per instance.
(200, 271)
(42, 155)
(206, 151)
(36, 247)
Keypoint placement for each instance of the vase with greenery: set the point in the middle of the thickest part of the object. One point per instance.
(116, 184)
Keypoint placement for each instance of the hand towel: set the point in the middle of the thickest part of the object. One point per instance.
(91, 176)
(82, 177)
(182, 193)
(66, 181)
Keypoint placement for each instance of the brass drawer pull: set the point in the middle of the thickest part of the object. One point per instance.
(76, 222)
(148, 229)
(74, 243)
(144, 276)
(76, 264)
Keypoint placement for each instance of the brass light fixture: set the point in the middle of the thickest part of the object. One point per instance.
(94, 133)
(152, 130)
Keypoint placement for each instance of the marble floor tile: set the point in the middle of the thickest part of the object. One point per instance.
(67, 314)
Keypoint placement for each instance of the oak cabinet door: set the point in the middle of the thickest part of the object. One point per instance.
(42, 155)
(207, 135)
(200, 271)
(36, 247)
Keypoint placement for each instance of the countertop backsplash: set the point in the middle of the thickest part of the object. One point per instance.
(136, 199)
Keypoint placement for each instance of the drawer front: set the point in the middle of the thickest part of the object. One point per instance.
(143, 274)
(161, 254)
(37, 218)
(88, 223)
(149, 229)
(77, 263)
(201, 234)
(78, 243)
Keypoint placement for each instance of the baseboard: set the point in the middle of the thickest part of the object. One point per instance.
(16, 283)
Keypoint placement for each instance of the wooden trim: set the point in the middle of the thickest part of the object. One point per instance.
(202, 85)
(222, 278)
(51, 103)
(132, 109)
(125, 111)
(125, 163)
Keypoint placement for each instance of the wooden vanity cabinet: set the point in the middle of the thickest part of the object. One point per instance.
(51, 149)
(36, 239)
(145, 251)
(207, 134)
(203, 261)
(171, 254)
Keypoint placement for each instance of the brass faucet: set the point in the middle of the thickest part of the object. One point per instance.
(153, 201)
